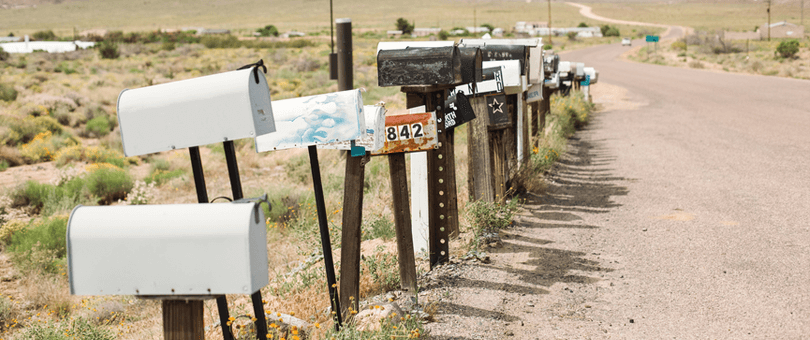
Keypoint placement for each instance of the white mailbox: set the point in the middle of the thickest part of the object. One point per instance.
(314, 120)
(535, 46)
(205, 110)
(564, 69)
(170, 249)
(511, 74)
(590, 71)
(554, 82)
(580, 71)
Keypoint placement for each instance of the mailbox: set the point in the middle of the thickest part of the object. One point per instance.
(205, 110)
(534, 47)
(580, 71)
(535, 93)
(471, 59)
(374, 118)
(550, 64)
(511, 74)
(492, 82)
(415, 130)
(564, 69)
(590, 71)
(554, 82)
(401, 45)
(167, 250)
(320, 119)
(498, 111)
(419, 66)
(457, 110)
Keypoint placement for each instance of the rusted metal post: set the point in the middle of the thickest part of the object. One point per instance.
(183, 320)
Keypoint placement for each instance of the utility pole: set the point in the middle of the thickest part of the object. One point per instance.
(549, 23)
(769, 20)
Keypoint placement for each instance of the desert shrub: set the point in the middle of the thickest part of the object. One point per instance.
(40, 245)
(488, 218)
(64, 67)
(582, 25)
(221, 42)
(488, 26)
(141, 193)
(572, 36)
(4, 164)
(8, 313)
(45, 145)
(160, 172)
(24, 130)
(610, 31)
(90, 154)
(98, 126)
(403, 25)
(268, 31)
(678, 45)
(167, 46)
(108, 182)
(66, 329)
(44, 35)
(4, 55)
(108, 49)
(9, 229)
(383, 268)
(7, 92)
(48, 199)
(756, 66)
(788, 49)
(443, 35)
(379, 227)
(696, 64)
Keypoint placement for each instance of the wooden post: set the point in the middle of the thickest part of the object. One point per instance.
(350, 239)
(183, 320)
(480, 182)
(402, 221)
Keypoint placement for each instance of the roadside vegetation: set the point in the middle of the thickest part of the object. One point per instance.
(710, 50)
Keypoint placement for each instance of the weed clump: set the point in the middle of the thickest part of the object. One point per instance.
(108, 49)
(788, 49)
(79, 328)
(487, 218)
(7, 92)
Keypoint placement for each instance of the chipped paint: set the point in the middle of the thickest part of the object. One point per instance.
(427, 126)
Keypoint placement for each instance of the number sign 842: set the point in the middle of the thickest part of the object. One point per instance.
(402, 132)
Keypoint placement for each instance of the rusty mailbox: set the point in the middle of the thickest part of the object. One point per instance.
(419, 66)
(407, 131)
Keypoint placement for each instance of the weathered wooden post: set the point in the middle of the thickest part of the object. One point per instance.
(154, 120)
(425, 75)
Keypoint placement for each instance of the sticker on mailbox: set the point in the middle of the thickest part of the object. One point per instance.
(408, 132)
(457, 110)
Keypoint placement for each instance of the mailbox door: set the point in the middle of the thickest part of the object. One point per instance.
(408, 132)
(535, 93)
(498, 111)
(471, 59)
(511, 74)
(457, 110)
(492, 83)
(419, 66)
(505, 52)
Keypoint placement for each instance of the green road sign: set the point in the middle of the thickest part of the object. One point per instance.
(652, 38)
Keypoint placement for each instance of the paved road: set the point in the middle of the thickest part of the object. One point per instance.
(706, 216)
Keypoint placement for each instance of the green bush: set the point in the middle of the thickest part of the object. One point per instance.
(44, 35)
(610, 31)
(4, 55)
(379, 227)
(443, 35)
(268, 31)
(98, 126)
(90, 154)
(161, 172)
(403, 25)
(67, 329)
(46, 145)
(788, 49)
(64, 67)
(109, 184)
(40, 246)
(108, 49)
(7, 92)
(48, 198)
(489, 217)
(582, 24)
(168, 46)
(488, 26)
(24, 130)
(679, 45)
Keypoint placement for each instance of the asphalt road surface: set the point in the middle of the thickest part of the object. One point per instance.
(711, 232)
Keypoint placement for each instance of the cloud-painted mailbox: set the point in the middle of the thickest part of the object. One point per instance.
(374, 118)
(167, 250)
(314, 120)
(193, 112)
(419, 66)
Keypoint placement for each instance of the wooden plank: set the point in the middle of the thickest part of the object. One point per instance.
(183, 320)
(452, 189)
(480, 182)
(350, 239)
(510, 139)
(524, 139)
(500, 167)
(534, 108)
(402, 221)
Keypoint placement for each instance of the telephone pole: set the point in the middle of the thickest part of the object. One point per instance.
(549, 23)
(769, 20)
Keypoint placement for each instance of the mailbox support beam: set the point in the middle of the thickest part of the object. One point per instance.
(236, 189)
(442, 195)
(202, 197)
(402, 221)
(183, 320)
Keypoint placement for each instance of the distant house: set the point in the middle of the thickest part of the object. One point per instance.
(47, 46)
(582, 32)
(530, 27)
(782, 29)
(292, 34)
(213, 31)
(424, 32)
(478, 30)
(9, 39)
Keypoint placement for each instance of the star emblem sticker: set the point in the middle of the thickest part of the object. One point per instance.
(496, 107)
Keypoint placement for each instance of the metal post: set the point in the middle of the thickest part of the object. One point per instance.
(236, 189)
(326, 243)
(202, 197)
(345, 59)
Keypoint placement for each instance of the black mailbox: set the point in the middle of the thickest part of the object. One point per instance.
(471, 59)
(419, 66)
(457, 110)
(506, 52)
(550, 63)
(498, 111)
